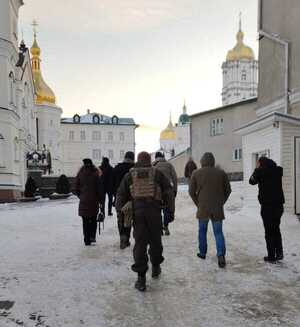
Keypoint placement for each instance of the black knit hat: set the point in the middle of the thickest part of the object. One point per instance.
(87, 162)
(129, 155)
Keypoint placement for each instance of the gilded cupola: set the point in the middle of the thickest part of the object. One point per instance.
(168, 134)
(240, 51)
(44, 94)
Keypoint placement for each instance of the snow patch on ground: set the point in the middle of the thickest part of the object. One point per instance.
(49, 278)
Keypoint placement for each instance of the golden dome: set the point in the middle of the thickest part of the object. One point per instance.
(44, 93)
(240, 51)
(168, 134)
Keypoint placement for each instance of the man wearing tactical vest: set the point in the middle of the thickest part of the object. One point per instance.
(147, 189)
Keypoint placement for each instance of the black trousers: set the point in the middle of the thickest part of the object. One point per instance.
(271, 216)
(123, 231)
(110, 203)
(89, 225)
(147, 228)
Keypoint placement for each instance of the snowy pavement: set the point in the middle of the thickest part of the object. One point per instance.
(48, 278)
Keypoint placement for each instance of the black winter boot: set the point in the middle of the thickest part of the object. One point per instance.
(140, 284)
(270, 259)
(279, 256)
(222, 261)
(156, 271)
(166, 230)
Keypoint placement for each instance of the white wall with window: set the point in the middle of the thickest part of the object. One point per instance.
(97, 154)
(96, 136)
(217, 126)
(2, 151)
(82, 136)
(237, 154)
(71, 135)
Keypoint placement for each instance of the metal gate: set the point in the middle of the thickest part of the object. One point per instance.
(297, 175)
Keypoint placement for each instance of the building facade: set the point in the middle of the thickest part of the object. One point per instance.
(30, 119)
(213, 131)
(18, 114)
(240, 72)
(95, 136)
(275, 132)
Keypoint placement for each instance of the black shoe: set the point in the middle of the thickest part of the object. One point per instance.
(221, 261)
(270, 259)
(140, 284)
(203, 257)
(87, 243)
(167, 232)
(93, 239)
(162, 232)
(124, 243)
(110, 214)
(156, 271)
(279, 257)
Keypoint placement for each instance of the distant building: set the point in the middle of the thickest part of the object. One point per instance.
(176, 139)
(240, 73)
(95, 136)
(213, 130)
(31, 129)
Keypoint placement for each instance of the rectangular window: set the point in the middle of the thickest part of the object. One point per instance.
(217, 127)
(97, 154)
(111, 154)
(71, 135)
(82, 135)
(237, 154)
(122, 137)
(122, 154)
(96, 136)
(110, 136)
(2, 151)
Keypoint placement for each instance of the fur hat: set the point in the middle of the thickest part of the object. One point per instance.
(87, 162)
(159, 155)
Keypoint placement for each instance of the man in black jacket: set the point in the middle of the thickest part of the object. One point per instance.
(119, 172)
(107, 178)
(268, 176)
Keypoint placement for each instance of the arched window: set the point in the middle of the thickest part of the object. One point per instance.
(16, 149)
(2, 151)
(76, 119)
(244, 75)
(26, 95)
(96, 119)
(11, 88)
(115, 120)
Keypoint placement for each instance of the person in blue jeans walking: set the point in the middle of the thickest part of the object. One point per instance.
(210, 189)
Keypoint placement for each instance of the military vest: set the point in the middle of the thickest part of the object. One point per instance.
(144, 185)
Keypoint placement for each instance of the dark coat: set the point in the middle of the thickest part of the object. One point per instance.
(189, 169)
(269, 180)
(89, 188)
(107, 177)
(119, 172)
(209, 189)
(167, 194)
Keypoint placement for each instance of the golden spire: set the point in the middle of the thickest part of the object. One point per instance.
(168, 134)
(44, 93)
(240, 51)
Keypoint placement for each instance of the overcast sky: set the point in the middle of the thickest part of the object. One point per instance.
(137, 58)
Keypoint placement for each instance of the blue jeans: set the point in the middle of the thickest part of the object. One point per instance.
(219, 237)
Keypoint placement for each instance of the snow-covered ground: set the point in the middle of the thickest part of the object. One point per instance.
(52, 280)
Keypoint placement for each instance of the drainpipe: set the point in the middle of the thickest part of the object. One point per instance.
(276, 38)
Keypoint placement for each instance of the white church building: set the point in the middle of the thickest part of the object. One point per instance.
(31, 120)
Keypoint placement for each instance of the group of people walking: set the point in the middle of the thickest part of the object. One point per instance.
(144, 193)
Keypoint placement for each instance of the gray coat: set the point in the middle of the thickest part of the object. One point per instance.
(168, 170)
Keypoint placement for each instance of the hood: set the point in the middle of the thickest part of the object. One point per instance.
(208, 160)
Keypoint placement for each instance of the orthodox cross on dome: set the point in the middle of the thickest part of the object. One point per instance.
(34, 26)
